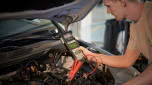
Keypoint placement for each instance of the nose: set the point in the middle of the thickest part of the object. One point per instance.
(108, 10)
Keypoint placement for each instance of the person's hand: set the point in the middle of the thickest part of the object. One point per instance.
(87, 53)
(85, 50)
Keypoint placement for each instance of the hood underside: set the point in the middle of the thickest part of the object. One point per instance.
(59, 10)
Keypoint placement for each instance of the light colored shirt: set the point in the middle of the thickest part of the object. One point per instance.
(141, 33)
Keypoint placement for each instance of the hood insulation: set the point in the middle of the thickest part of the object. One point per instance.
(22, 5)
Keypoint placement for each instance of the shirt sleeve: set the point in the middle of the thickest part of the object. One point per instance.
(132, 42)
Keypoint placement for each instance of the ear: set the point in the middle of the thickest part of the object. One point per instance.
(123, 3)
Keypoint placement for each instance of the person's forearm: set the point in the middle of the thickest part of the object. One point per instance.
(114, 61)
(122, 61)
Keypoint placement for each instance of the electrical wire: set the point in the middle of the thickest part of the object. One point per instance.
(86, 75)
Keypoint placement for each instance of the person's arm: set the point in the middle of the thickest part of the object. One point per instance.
(144, 78)
(122, 61)
(125, 60)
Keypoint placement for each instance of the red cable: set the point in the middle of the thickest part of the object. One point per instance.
(76, 66)
(86, 75)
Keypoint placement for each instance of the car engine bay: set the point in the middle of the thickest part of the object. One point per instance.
(38, 57)
(51, 70)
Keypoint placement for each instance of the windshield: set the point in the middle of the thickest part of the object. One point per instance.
(15, 26)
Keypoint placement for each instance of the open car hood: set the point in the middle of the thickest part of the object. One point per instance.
(58, 10)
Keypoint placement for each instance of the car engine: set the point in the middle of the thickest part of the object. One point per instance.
(51, 69)
(37, 57)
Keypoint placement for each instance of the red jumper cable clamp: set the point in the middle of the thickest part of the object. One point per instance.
(79, 58)
(77, 65)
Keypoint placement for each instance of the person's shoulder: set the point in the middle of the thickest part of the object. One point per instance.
(146, 13)
(147, 6)
(148, 10)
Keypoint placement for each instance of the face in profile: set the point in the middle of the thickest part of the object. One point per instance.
(115, 8)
